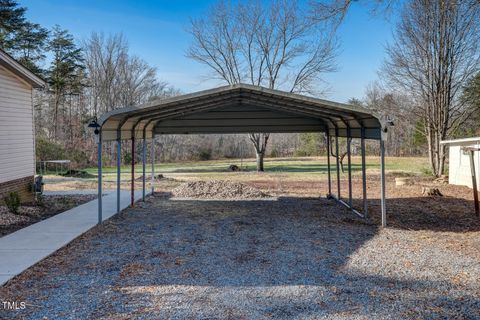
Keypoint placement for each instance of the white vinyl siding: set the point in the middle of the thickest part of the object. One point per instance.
(459, 170)
(17, 156)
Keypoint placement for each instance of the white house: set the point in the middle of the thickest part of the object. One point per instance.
(17, 140)
(459, 171)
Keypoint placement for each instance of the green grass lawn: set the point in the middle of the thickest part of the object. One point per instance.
(280, 173)
(301, 166)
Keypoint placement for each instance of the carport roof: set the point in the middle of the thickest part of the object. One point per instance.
(239, 108)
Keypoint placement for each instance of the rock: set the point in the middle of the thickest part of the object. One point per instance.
(233, 167)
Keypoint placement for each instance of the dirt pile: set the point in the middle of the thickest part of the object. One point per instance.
(217, 189)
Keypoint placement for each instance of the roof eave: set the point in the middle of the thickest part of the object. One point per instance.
(20, 71)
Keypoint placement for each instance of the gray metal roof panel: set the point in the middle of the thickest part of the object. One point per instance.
(331, 113)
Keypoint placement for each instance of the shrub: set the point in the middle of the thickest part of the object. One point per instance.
(127, 157)
(300, 153)
(40, 200)
(427, 171)
(274, 153)
(12, 201)
(310, 144)
(47, 150)
(204, 154)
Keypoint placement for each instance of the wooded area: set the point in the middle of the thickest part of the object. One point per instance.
(429, 85)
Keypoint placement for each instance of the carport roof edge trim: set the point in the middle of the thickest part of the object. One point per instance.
(170, 104)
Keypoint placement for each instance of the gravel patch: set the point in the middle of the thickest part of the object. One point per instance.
(31, 213)
(217, 189)
(7, 218)
(293, 258)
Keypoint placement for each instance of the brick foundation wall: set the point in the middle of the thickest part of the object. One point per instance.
(23, 186)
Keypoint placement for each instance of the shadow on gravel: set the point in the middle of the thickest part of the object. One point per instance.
(445, 214)
(227, 259)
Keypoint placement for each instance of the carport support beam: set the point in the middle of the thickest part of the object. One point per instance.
(364, 173)
(152, 157)
(144, 163)
(328, 165)
(382, 182)
(349, 159)
(132, 190)
(337, 163)
(119, 164)
(474, 182)
(99, 159)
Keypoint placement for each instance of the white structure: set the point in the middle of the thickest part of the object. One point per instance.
(459, 171)
(17, 143)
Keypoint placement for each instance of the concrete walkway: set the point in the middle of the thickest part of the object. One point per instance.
(23, 248)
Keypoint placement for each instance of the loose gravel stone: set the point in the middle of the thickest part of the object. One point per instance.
(7, 218)
(217, 189)
(290, 258)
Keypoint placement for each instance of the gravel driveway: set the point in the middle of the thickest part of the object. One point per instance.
(291, 258)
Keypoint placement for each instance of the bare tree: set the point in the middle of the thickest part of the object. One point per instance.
(118, 79)
(138, 82)
(103, 58)
(436, 49)
(334, 11)
(276, 45)
(259, 141)
(398, 107)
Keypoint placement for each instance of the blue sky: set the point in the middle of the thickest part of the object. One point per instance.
(156, 32)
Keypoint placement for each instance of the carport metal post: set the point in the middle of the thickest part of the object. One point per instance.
(119, 164)
(364, 172)
(337, 163)
(471, 152)
(328, 165)
(349, 159)
(152, 157)
(132, 187)
(99, 158)
(382, 182)
(144, 162)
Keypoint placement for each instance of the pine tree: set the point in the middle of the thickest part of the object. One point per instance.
(65, 74)
(22, 39)
(12, 18)
(30, 44)
(471, 98)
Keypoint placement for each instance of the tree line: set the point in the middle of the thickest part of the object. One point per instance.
(84, 79)
(429, 84)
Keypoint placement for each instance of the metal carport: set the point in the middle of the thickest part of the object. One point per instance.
(244, 108)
